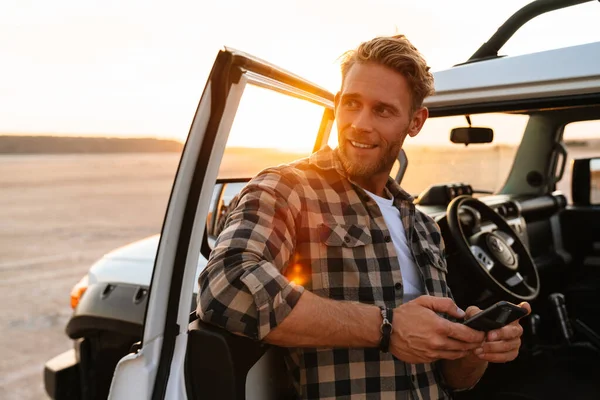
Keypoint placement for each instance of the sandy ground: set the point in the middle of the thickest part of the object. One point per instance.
(58, 214)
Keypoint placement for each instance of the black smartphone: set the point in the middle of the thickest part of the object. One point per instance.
(500, 314)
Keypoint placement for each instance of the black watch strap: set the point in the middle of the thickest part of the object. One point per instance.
(386, 329)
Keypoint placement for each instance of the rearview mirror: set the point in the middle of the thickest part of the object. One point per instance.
(471, 134)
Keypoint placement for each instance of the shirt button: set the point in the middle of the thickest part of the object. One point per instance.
(398, 286)
(347, 239)
(387, 239)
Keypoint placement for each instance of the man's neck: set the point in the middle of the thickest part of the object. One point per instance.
(374, 184)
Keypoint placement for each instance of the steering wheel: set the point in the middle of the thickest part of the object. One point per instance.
(499, 258)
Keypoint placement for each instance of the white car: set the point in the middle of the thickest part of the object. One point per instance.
(133, 326)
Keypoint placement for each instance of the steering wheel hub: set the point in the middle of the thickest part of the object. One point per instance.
(501, 251)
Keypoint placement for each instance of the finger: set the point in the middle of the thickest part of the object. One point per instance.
(503, 346)
(526, 306)
(472, 310)
(510, 331)
(464, 333)
(449, 344)
(499, 357)
(449, 355)
(441, 304)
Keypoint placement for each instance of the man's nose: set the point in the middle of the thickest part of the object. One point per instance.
(363, 122)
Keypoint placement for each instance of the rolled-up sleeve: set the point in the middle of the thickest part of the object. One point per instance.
(243, 288)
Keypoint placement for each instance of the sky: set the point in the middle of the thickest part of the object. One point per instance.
(138, 68)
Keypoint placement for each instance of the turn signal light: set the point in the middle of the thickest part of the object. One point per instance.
(78, 291)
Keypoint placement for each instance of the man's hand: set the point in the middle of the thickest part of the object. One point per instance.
(419, 335)
(501, 345)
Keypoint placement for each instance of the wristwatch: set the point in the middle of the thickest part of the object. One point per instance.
(386, 329)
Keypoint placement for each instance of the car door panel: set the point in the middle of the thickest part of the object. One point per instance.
(159, 364)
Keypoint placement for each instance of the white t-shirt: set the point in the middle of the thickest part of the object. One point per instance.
(411, 277)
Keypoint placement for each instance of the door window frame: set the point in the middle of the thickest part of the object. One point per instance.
(184, 227)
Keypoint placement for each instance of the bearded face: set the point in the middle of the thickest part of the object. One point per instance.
(363, 158)
(374, 115)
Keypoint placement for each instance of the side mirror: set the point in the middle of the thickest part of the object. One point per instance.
(585, 181)
(471, 134)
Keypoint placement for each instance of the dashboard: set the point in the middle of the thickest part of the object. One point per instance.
(534, 219)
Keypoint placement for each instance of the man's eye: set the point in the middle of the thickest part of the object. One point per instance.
(350, 103)
(383, 112)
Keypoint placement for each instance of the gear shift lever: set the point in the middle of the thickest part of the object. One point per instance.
(558, 302)
(532, 330)
(534, 323)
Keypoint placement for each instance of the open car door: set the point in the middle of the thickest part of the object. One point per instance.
(156, 368)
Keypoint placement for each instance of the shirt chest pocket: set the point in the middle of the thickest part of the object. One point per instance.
(434, 255)
(344, 235)
(435, 268)
(346, 259)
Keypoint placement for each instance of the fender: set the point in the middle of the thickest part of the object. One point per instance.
(112, 307)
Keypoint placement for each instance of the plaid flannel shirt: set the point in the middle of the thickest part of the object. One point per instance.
(307, 218)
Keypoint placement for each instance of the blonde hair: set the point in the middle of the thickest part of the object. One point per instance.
(398, 53)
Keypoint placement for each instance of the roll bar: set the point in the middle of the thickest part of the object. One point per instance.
(538, 7)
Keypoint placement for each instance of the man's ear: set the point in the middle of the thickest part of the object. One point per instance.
(418, 120)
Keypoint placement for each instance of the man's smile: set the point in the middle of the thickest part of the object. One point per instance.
(362, 145)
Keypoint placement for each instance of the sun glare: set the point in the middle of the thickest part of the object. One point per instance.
(267, 119)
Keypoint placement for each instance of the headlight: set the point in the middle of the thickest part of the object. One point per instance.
(78, 291)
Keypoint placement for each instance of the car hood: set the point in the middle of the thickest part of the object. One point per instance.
(131, 264)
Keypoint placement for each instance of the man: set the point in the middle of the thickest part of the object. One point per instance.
(322, 255)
